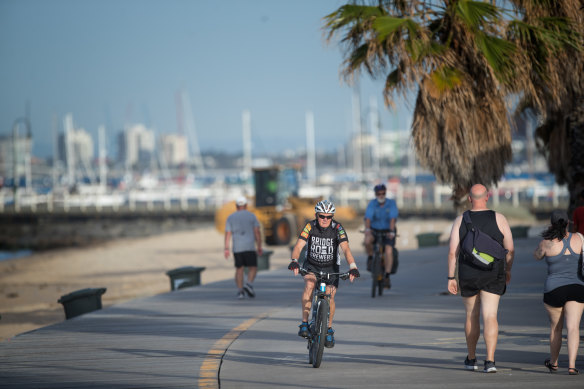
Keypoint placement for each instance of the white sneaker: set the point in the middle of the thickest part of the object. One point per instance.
(490, 367)
(240, 295)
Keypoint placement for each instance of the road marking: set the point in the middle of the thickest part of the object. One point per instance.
(209, 371)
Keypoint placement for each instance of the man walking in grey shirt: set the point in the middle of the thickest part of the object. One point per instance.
(243, 228)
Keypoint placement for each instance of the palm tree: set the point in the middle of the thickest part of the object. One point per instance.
(467, 60)
(560, 134)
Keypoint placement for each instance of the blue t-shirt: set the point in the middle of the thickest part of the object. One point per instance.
(381, 214)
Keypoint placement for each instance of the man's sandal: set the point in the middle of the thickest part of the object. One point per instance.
(552, 368)
(573, 371)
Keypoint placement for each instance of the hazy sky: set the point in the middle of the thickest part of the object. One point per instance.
(114, 62)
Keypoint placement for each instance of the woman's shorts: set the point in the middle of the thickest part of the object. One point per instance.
(329, 269)
(558, 297)
(246, 258)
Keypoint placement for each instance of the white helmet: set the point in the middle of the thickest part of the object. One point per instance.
(324, 206)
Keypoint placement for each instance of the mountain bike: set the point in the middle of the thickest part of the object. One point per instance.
(378, 263)
(318, 324)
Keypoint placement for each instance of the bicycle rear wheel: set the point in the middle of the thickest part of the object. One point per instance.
(320, 328)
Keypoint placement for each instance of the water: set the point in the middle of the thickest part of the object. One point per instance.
(5, 255)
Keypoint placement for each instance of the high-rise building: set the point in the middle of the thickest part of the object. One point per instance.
(79, 151)
(174, 149)
(137, 145)
(23, 145)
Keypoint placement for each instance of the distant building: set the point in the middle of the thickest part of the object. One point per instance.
(136, 146)
(78, 147)
(390, 149)
(174, 149)
(23, 144)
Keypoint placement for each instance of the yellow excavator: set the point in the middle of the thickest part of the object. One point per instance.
(277, 205)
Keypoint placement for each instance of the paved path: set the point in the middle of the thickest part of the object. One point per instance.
(411, 337)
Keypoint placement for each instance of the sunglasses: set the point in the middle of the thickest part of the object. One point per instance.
(325, 217)
(380, 194)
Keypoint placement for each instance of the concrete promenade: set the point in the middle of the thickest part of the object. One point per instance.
(411, 337)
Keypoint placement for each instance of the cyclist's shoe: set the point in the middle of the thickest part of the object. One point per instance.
(240, 295)
(386, 282)
(247, 288)
(490, 367)
(303, 331)
(329, 341)
(369, 261)
(470, 364)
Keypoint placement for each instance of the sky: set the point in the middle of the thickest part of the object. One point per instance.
(120, 62)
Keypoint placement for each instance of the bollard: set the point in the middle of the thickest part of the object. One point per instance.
(519, 231)
(428, 239)
(264, 260)
(81, 301)
(185, 277)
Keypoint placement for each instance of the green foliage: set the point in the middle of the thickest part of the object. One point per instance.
(476, 14)
(465, 58)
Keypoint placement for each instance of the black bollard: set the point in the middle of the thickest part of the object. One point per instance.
(81, 301)
(185, 277)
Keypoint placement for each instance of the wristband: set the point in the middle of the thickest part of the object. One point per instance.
(294, 260)
(352, 265)
(451, 278)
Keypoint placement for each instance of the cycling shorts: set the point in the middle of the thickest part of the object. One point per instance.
(329, 269)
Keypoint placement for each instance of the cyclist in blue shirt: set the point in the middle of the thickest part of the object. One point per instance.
(381, 214)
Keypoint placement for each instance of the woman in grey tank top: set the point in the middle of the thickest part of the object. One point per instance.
(563, 291)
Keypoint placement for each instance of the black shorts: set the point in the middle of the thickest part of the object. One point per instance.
(329, 269)
(558, 297)
(246, 258)
(386, 241)
(472, 280)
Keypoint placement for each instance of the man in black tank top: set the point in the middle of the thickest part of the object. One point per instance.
(480, 289)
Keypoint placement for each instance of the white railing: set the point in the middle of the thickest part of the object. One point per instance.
(421, 196)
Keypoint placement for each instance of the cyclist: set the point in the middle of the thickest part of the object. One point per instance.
(322, 238)
(381, 214)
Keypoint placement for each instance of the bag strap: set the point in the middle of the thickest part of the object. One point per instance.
(467, 220)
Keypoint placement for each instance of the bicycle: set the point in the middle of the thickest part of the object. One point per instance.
(378, 263)
(318, 324)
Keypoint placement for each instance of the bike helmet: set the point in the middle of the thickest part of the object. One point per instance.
(379, 188)
(324, 206)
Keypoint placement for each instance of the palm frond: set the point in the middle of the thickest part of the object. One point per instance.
(446, 78)
(388, 25)
(498, 53)
(476, 13)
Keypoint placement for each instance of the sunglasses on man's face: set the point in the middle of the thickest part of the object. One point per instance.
(380, 194)
(323, 217)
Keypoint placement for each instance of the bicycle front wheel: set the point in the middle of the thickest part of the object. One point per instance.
(320, 328)
(375, 274)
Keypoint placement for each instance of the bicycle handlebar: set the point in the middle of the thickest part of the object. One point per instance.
(323, 274)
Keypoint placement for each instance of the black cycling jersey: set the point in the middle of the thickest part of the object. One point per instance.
(323, 243)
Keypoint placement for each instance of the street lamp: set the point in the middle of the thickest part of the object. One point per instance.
(15, 128)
